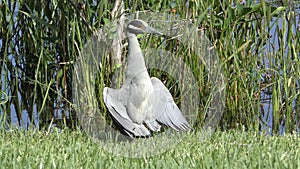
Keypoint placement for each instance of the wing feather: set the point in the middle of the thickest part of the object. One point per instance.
(113, 99)
(165, 108)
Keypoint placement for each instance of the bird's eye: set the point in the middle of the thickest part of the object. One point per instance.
(140, 26)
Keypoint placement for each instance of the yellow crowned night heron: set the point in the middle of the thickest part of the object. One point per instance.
(142, 103)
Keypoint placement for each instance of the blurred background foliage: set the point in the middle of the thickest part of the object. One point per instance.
(257, 42)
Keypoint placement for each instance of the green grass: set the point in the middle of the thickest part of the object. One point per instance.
(231, 149)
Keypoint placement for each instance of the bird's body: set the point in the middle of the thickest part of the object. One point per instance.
(142, 102)
(138, 81)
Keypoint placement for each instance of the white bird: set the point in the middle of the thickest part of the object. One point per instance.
(143, 103)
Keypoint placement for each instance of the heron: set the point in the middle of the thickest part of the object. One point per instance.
(143, 104)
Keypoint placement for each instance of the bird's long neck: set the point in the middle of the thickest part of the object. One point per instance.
(135, 59)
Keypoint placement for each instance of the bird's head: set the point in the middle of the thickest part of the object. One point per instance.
(138, 26)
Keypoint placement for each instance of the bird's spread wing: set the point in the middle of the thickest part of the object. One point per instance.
(153, 125)
(113, 99)
(165, 108)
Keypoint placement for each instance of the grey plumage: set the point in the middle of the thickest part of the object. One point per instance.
(142, 103)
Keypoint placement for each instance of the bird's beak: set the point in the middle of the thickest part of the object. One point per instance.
(151, 30)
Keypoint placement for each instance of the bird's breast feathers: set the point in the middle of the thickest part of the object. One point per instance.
(139, 101)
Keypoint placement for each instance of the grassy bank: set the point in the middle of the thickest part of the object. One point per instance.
(231, 149)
